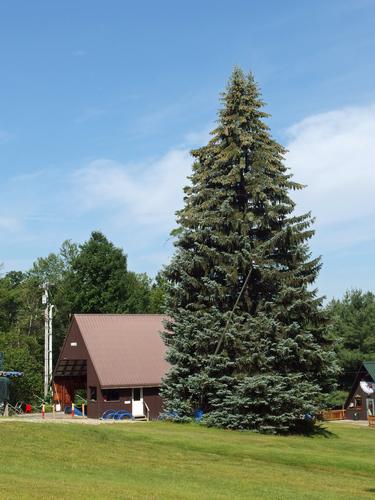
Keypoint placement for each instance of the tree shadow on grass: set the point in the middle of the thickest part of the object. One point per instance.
(315, 429)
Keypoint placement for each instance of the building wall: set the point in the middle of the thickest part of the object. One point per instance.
(64, 386)
(355, 412)
(152, 397)
(95, 409)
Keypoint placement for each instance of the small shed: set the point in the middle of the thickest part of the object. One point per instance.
(361, 399)
(118, 360)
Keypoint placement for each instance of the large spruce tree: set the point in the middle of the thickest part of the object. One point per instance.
(247, 336)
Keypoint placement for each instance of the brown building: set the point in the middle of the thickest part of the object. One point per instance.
(117, 359)
(361, 400)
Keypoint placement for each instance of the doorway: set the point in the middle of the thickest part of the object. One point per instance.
(137, 402)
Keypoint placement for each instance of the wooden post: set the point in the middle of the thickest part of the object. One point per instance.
(72, 410)
(83, 409)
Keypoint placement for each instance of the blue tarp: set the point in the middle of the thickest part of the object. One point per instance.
(11, 374)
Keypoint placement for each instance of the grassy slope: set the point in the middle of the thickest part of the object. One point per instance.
(163, 460)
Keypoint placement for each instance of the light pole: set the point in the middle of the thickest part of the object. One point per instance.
(48, 314)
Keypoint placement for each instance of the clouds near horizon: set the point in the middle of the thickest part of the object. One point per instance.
(333, 154)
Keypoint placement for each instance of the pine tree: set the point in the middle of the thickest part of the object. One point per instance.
(247, 335)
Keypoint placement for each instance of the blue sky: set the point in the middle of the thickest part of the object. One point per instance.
(100, 103)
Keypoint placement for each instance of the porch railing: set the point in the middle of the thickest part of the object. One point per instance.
(334, 415)
(146, 410)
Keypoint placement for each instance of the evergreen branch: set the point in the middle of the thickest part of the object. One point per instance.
(221, 340)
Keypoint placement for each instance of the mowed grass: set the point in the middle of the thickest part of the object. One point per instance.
(170, 461)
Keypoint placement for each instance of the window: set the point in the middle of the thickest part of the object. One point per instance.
(137, 394)
(111, 394)
(92, 392)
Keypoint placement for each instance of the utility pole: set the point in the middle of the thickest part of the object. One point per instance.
(48, 313)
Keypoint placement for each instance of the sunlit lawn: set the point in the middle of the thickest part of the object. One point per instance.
(165, 460)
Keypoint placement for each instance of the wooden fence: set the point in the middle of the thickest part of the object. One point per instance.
(371, 421)
(334, 415)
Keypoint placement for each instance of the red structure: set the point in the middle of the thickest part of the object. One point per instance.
(117, 359)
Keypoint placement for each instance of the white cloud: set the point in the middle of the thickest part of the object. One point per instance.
(333, 154)
(148, 193)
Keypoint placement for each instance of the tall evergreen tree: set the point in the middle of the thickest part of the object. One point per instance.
(247, 335)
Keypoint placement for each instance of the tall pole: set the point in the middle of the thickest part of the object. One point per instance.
(47, 338)
(50, 368)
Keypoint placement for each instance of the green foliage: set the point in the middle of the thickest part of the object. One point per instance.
(138, 286)
(9, 299)
(238, 231)
(97, 280)
(158, 294)
(23, 353)
(353, 327)
(92, 277)
(336, 399)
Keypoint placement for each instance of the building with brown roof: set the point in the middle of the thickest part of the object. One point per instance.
(117, 359)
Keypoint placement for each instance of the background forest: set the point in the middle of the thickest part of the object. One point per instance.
(88, 278)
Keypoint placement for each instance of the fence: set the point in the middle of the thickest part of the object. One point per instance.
(334, 415)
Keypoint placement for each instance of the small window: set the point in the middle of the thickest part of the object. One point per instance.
(73, 344)
(137, 394)
(111, 394)
(93, 394)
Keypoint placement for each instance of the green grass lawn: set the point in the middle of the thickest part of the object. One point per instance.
(165, 460)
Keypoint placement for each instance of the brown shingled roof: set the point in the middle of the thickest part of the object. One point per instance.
(125, 349)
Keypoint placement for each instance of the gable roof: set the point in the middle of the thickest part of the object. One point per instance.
(370, 367)
(126, 350)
